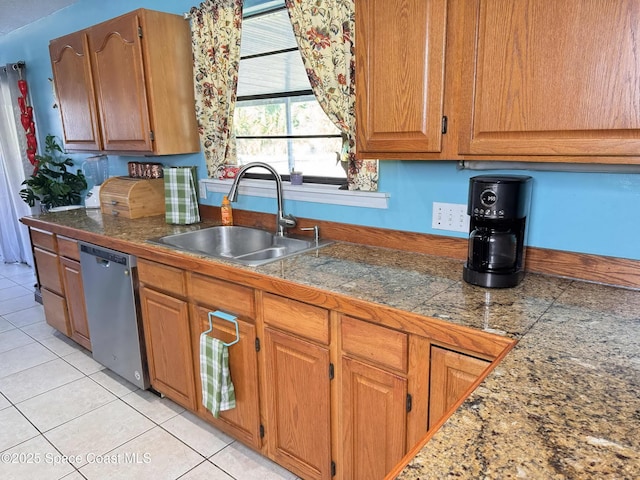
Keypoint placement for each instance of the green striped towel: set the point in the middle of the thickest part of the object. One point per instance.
(180, 199)
(218, 393)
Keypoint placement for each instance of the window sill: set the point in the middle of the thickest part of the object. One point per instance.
(307, 192)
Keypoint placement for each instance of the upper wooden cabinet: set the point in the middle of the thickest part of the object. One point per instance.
(126, 85)
(399, 76)
(76, 96)
(551, 78)
(530, 80)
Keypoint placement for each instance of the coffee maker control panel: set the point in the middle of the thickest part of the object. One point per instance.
(492, 197)
(488, 200)
(487, 212)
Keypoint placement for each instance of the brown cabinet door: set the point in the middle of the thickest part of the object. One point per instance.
(243, 421)
(550, 78)
(74, 293)
(452, 374)
(73, 80)
(55, 311)
(168, 343)
(119, 76)
(298, 432)
(400, 75)
(374, 420)
(48, 266)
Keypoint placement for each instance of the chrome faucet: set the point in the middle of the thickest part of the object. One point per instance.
(283, 221)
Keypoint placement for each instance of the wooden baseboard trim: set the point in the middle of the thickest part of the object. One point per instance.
(620, 272)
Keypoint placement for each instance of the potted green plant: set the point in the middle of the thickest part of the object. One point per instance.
(52, 183)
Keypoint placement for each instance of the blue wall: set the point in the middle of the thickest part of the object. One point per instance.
(580, 212)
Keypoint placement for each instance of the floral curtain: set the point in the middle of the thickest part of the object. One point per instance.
(325, 35)
(216, 26)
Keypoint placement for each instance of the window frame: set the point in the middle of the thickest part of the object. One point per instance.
(323, 180)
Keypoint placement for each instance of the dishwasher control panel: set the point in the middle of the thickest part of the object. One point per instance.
(109, 255)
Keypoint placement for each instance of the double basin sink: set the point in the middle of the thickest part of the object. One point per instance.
(244, 245)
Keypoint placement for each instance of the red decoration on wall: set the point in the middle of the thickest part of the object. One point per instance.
(26, 118)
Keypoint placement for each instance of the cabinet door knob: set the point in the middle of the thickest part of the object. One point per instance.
(115, 212)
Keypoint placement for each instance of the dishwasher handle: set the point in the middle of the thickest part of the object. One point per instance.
(102, 262)
(107, 256)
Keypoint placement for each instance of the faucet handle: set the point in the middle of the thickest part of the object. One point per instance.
(287, 221)
(316, 232)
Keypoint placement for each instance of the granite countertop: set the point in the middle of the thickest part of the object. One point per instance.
(564, 403)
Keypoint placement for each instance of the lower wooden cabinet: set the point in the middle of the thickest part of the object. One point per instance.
(72, 281)
(55, 311)
(323, 394)
(298, 431)
(452, 373)
(48, 265)
(243, 421)
(50, 280)
(168, 341)
(60, 280)
(374, 398)
(374, 420)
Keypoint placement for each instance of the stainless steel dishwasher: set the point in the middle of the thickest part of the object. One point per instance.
(109, 280)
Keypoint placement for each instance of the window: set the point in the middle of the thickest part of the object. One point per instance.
(277, 118)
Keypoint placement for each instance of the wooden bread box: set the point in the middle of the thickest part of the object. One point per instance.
(132, 197)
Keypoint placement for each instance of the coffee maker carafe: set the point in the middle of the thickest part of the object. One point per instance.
(498, 207)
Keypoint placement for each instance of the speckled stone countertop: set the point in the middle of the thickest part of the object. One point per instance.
(564, 403)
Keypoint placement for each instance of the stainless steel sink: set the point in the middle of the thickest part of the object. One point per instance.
(248, 246)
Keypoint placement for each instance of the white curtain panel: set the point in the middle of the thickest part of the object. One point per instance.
(15, 245)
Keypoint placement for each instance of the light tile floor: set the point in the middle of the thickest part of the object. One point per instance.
(62, 415)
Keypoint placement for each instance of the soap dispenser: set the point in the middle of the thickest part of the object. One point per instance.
(226, 212)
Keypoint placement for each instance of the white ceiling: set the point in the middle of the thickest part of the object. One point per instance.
(18, 13)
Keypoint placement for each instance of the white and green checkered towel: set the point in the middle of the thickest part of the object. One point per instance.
(180, 198)
(218, 393)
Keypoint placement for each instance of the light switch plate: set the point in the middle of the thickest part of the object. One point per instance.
(450, 216)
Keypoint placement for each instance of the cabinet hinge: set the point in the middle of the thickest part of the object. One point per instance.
(261, 431)
(409, 402)
(333, 468)
(331, 371)
(140, 32)
(445, 120)
(151, 135)
(257, 344)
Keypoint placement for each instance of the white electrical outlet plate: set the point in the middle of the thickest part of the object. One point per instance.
(450, 216)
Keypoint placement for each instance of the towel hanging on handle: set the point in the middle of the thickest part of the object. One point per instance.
(218, 393)
(181, 200)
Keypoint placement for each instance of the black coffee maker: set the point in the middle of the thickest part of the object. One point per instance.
(498, 206)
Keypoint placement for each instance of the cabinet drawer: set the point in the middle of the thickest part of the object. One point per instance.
(48, 266)
(55, 311)
(68, 247)
(118, 207)
(162, 277)
(296, 317)
(222, 295)
(375, 343)
(46, 240)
